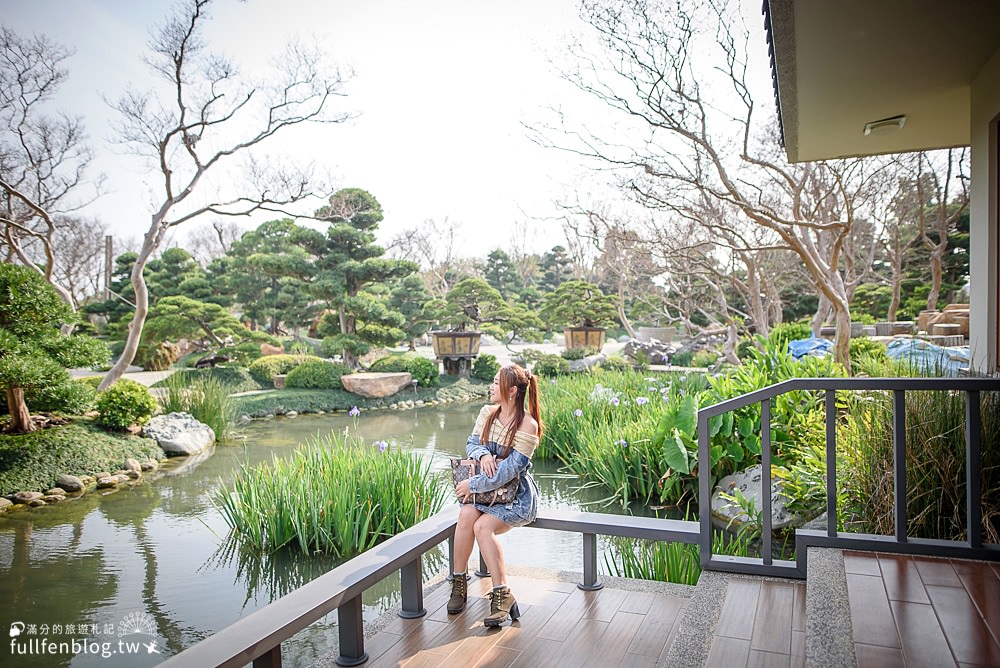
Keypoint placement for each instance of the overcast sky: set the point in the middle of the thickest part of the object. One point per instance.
(442, 88)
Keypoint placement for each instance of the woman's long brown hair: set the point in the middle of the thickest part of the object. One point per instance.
(527, 392)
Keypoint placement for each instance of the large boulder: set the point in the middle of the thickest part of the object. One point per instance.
(749, 483)
(376, 385)
(651, 350)
(179, 433)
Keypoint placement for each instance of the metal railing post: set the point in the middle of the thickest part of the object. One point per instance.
(765, 482)
(352, 634)
(483, 571)
(899, 462)
(270, 660)
(973, 470)
(831, 463)
(590, 579)
(412, 589)
(704, 491)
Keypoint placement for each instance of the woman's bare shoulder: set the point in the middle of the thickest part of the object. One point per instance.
(528, 425)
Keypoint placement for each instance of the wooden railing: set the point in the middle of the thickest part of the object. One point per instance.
(257, 637)
(972, 548)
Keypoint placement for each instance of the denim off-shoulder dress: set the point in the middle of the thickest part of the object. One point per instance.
(525, 505)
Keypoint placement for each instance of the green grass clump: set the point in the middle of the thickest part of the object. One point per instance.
(336, 495)
(663, 561)
(33, 462)
(207, 399)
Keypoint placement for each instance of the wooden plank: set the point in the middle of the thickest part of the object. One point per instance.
(937, 572)
(871, 615)
(967, 633)
(799, 607)
(728, 651)
(902, 579)
(761, 659)
(660, 621)
(638, 602)
(920, 634)
(617, 637)
(606, 605)
(581, 643)
(739, 609)
(570, 613)
(772, 629)
(873, 656)
(984, 589)
(523, 632)
(499, 657)
(797, 659)
(540, 653)
(861, 563)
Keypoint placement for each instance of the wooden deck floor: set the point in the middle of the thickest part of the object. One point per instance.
(560, 625)
(918, 611)
(905, 611)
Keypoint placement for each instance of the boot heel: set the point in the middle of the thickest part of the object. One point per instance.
(514, 613)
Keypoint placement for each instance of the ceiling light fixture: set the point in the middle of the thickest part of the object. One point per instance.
(885, 126)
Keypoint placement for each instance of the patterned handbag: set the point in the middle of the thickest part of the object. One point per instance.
(463, 469)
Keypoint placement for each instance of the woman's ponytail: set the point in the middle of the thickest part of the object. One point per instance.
(534, 405)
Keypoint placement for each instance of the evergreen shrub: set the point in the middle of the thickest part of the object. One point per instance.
(124, 404)
(264, 369)
(316, 374)
(73, 398)
(485, 367)
(423, 370)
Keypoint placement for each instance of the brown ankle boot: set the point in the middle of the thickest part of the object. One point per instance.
(459, 594)
(502, 606)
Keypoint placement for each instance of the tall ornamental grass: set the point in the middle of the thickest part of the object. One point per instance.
(206, 398)
(336, 495)
(664, 561)
(935, 463)
(600, 425)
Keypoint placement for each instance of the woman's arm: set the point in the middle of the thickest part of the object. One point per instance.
(507, 469)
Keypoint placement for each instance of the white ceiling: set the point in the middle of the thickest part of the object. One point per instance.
(843, 63)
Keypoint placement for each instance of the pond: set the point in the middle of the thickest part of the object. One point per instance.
(98, 580)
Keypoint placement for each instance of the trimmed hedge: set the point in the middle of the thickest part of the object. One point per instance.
(264, 369)
(316, 374)
(423, 370)
(33, 462)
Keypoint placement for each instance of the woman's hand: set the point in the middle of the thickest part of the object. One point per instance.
(462, 490)
(488, 465)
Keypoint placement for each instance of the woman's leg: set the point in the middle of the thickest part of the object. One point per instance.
(465, 536)
(503, 606)
(487, 528)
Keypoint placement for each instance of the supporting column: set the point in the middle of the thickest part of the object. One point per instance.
(352, 634)
(590, 579)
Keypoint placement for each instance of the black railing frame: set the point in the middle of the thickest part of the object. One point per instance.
(973, 548)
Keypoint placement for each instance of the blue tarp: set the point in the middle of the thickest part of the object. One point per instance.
(811, 346)
(926, 356)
